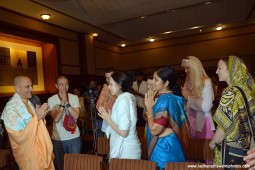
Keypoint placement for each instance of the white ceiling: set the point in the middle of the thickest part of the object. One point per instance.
(119, 21)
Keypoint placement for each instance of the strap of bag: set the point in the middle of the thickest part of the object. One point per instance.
(223, 151)
(223, 143)
(154, 141)
(247, 109)
(65, 108)
(245, 101)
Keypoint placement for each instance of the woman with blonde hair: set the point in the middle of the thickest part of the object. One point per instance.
(199, 93)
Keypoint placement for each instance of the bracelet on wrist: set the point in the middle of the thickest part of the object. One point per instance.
(68, 105)
(61, 105)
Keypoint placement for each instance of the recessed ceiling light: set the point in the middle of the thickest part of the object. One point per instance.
(45, 16)
(95, 34)
(123, 45)
(142, 17)
(208, 2)
(219, 28)
(200, 30)
(167, 32)
(194, 27)
(152, 39)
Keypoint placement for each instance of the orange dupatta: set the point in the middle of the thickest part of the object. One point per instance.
(32, 147)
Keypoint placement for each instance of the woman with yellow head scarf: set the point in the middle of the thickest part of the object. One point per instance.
(231, 115)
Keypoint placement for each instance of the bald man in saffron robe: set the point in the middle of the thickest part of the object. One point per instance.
(28, 135)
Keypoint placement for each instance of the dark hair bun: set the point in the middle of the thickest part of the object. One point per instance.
(170, 75)
(124, 81)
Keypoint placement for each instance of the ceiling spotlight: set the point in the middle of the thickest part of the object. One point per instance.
(194, 27)
(167, 32)
(200, 30)
(45, 16)
(123, 45)
(219, 28)
(142, 17)
(152, 39)
(95, 34)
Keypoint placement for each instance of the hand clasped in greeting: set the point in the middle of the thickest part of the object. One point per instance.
(149, 99)
(104, 114)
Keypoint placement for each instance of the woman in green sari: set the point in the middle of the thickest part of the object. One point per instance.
(231, 115)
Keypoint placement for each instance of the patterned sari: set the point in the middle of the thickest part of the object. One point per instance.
(170, 148)
(231, 115)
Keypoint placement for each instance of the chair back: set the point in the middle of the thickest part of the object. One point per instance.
(199, 150)
(82, 161)
(140, 131)
(144, 154)
(4, 157)
(131, 164)
(103, 146)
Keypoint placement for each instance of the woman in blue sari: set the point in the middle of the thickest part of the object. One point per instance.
(167, 126)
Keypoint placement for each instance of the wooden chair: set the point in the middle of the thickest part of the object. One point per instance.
(87, 144)
(4, 157)
(199, 150)
(144, 154)
(103, 149)
(82, 161)
(131, 164)
(140, 131)
(103, 146)
(10, 161)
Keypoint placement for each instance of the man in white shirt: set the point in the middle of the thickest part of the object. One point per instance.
(140, 88)
(108, 73)
(65, 140)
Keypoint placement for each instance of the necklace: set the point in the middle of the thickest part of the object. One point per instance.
(167, 92)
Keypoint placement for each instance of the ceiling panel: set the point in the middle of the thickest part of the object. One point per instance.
(119, 21)
(105, 12)
(183, 19)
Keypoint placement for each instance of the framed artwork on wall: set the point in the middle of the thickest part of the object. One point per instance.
(20, 59)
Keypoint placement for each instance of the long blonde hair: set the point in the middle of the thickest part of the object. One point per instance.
(195, 80)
